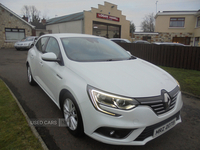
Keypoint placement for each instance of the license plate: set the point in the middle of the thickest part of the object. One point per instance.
(164, 128)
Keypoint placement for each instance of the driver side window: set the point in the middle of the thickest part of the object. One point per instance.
(52, 46)
(41, 44)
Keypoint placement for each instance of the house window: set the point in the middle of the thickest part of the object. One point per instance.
(177, 22)
(198, 21)
(14, 34)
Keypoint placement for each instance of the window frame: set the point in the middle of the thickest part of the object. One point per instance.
(43, 48)
(107, 25)
(14, 30)
(177, 19)
(59, 57)
(47, 45)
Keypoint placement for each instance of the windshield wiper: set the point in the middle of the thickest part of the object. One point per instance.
(132, 57)
(109, 60)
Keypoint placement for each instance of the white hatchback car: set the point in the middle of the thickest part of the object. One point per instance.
(102, 90)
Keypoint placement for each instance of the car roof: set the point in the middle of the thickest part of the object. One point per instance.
(64, 35)
(140, 41)
(168, 43)
(117, 39)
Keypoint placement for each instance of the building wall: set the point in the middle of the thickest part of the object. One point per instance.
(164, 37)
(197, 32)
(107, 9)
(162, 24)
(197, 29)
(8, 20)
(66, 27)
(39, 31)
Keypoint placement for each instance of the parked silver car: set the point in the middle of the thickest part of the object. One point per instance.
(141, 42)
(119, 40)
(169, 43)
(26, 43)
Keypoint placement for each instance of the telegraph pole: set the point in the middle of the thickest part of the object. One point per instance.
(156, 6)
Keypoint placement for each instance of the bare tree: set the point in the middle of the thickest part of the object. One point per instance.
(26, 12)
(35, 14)
(31, 12)
(148, 23)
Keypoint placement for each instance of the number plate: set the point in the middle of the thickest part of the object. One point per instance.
(164, 128)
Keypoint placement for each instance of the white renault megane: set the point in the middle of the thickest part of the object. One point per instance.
(104, 91)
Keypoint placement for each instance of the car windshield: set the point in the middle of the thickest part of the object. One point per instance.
(93, 49)
(28, 39)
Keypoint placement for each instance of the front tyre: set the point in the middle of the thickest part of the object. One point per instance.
(72, 115)
(31, 81)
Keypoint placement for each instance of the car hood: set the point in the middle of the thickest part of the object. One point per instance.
(132, 78)
(24, 42)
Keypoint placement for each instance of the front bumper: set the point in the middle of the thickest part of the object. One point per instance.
(23, 46)
(141, 122)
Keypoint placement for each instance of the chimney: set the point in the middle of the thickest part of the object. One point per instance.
(43, 21)
(25, 18)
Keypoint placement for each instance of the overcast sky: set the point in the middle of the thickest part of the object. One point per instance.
(134, 10)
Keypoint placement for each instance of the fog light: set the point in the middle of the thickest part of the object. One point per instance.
(114, 132)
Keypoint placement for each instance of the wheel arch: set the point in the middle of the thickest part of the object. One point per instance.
(61, 95)
(62, 92)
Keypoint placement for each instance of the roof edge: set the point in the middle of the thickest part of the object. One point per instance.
(155, 33)
(173, 13)
(57, 20)
(16, 15)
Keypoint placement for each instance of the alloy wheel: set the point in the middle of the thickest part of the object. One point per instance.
(70, 114)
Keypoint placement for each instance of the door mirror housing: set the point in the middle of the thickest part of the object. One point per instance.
(129, 52)
(50, 57)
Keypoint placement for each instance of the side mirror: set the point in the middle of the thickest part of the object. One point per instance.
(128, 52)
(50, 57)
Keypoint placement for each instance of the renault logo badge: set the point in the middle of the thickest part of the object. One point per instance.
(167, 101)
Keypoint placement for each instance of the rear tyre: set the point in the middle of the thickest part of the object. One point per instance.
(31, 81)
(72, 115)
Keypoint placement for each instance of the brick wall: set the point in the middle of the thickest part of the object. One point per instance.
(164, 37)
(8, 20)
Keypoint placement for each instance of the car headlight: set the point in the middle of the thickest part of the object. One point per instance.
(178, 84)
(100, 98)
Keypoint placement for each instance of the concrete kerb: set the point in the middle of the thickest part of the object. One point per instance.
(28, 120)
(189, 94)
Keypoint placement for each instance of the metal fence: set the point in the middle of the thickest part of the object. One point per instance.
(170, 56)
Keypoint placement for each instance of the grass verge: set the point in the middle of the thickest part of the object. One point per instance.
(189, 79)
(15, 132)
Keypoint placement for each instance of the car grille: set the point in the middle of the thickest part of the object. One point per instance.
(148, 131)
(157, 103)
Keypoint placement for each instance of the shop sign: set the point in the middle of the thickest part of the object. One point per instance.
(107, 17)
